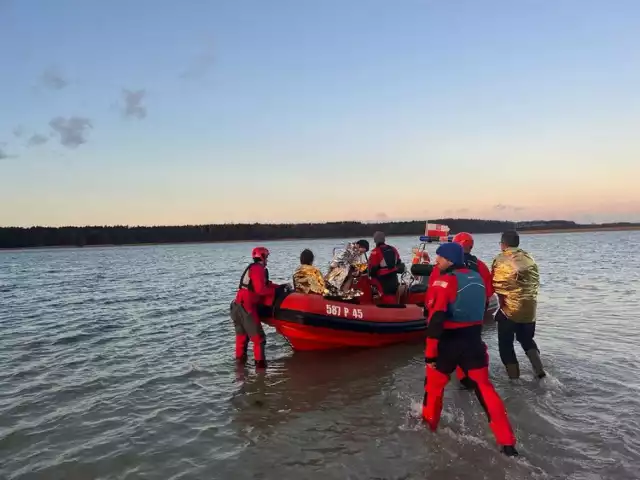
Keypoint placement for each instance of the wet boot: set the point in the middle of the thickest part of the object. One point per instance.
(536, 363)
(513, 370)
(509, 451)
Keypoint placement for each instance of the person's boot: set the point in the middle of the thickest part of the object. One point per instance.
(536, 363)
(509, 451)
(513, 370)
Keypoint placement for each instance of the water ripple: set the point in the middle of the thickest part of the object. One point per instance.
(116, 363)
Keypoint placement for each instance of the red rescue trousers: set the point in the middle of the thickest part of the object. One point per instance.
(248, 327)
(464, 348)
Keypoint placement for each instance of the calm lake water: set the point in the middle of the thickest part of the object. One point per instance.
(118, 363)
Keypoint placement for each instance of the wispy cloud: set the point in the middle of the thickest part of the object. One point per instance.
(4, 155)
(71, 130)
(502, 207)
(133, 103)
(37, 139)
(19, 131)
(53, 79)
(199, 66)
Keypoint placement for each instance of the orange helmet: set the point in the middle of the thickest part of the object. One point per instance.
(260, 252)
(465, 239)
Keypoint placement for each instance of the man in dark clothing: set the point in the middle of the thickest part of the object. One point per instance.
(383, 266)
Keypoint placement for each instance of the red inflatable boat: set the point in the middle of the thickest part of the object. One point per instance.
(314, 322)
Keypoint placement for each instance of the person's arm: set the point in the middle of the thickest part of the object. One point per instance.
(438, 297)
(258, 279)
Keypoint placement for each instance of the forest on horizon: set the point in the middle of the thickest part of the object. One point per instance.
(29, 237)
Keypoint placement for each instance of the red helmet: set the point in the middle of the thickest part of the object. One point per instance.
(465, 239)
(260, 252)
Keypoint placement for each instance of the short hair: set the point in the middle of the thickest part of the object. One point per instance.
(510, 238)
(364, 244)
(306, 257)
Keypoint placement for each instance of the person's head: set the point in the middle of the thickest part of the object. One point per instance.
(509, 239)
(306, 257)
(449, 255)
(363, 246)
(260, 254)
(379, 238)
(465, 239)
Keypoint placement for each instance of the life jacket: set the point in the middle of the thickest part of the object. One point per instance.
(471, 261)
(389, 279)
(245, 278)
(470, 299)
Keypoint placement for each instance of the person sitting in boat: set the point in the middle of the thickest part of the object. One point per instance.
(344, 267)
(384, 266)
(307, 278)
(254, 286)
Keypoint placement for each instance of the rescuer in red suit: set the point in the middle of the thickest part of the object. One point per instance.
(383, 266)
(474, 263)
(455, 309)
(254, 286)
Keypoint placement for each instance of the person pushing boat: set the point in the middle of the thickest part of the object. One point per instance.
(254, 286)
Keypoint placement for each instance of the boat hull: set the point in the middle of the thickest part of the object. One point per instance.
(312, 322)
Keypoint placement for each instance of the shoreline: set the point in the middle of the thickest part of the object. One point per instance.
(542, 231)
(621, 228)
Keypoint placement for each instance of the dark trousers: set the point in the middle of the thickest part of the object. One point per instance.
(507, 330)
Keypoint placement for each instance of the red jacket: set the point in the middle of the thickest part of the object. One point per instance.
(442, 292)
(254, 286)
(379, 265)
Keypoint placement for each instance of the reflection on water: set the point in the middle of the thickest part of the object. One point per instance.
(117, 363)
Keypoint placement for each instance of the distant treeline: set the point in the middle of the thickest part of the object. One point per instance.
(16, 237)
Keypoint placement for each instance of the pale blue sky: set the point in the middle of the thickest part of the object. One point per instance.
(318, 110)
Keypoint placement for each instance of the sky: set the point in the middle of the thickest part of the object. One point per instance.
(169, 112)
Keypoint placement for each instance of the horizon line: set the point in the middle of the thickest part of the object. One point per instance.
(328, 222)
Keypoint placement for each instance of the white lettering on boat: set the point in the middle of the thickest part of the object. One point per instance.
(348, 312)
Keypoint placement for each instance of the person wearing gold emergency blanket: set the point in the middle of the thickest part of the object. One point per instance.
(307, 278)
(516, 280)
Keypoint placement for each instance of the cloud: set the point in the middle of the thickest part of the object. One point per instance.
(200, 66)
(133, 103)
(4, 155)
(72, 130)
(51, 78)
(381, 216)
(19, 131)
(37, 139)
(514, 208)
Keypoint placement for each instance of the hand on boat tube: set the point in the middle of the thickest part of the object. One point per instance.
(283, 289)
